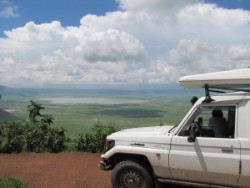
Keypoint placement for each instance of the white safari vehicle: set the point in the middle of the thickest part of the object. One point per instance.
(210, 147)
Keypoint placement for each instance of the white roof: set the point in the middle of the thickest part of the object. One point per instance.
(229, 79)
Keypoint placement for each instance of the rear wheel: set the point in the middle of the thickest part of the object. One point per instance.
(129, 174)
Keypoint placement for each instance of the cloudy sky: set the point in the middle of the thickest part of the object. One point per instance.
(61, 43)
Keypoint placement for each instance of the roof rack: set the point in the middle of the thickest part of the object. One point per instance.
(208, 89)
(208, 98)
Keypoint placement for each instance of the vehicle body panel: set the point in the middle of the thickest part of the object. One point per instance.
(205, 160)
(244, 180)
(151, 142)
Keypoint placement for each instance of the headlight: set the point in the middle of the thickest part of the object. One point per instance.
(108, 145)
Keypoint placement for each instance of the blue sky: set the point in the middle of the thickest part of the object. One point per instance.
(231, 4)
(67, 12)
(119, 42)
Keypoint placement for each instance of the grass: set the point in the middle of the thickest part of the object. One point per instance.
(80, 118)
(11, 183)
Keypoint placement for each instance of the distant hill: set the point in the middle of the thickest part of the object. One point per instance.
(6, 116)
(24, 92)
(2, 88)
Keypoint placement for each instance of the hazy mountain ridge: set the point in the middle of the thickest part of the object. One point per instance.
(24, 92)
(171, 90)
(6, 116)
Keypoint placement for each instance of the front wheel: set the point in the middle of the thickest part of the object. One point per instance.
(129, 174)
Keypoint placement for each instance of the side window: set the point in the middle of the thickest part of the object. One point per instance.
(212, 121)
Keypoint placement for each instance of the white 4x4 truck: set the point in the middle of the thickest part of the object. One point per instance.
(209, 147)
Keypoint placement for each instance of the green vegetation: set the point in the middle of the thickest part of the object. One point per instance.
(18, 136)
(161, 107)
(94, 142)
(38, 136)
(73, 125)
(11, 183)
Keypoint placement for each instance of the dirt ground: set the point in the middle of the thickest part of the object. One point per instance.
(64, 170)
(69, 170)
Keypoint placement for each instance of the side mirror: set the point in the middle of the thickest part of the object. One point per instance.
(192, 133)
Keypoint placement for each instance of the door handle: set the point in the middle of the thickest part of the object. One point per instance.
(227, 150)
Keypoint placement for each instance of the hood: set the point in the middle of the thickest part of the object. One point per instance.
(143, 133)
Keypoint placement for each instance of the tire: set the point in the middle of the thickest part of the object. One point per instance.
(129, 174)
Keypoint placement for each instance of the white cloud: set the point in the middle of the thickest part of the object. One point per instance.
(8, 12)
(144, 42)
(8, 9)
(51, 54)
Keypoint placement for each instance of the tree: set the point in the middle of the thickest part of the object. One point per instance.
(34, 110)
(47, 119)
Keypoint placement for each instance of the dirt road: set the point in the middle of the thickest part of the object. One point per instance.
(67, 170)
(64, 170)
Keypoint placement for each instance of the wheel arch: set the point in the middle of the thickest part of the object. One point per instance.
(141, 159)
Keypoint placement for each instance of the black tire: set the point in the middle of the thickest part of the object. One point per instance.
(129, 174)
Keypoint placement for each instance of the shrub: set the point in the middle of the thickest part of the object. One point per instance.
(11, 137)
(56, 140)
(36, 137)
(94, 142)
(32, 137)
(86, 143)
(42, 138)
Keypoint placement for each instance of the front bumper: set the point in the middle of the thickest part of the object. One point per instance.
(104, 164)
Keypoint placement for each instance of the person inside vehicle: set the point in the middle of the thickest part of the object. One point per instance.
(219, 124)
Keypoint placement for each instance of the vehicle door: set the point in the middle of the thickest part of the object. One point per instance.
(206, 158)
(244, 131)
